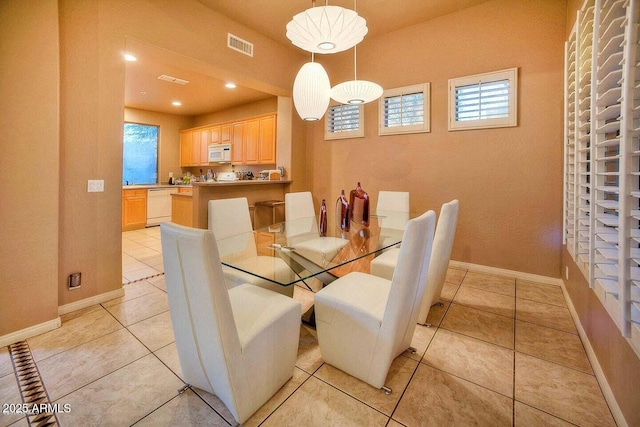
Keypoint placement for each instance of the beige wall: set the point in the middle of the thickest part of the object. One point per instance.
(619, 363)
(169, 138)
(509, 180)
(29, 164)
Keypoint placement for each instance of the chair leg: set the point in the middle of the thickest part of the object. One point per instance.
(386, 390)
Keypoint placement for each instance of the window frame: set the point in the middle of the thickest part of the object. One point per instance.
(358, 133)
(510, 74)
(157, 169)
(424, 127)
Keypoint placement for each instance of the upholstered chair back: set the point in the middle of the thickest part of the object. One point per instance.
(298, 205)
(230, 222)
(203, 323)
(442, 246)
(407, 286)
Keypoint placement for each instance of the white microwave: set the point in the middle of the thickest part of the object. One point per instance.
(220, 153)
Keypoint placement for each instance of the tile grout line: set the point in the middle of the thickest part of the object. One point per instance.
(34, 395)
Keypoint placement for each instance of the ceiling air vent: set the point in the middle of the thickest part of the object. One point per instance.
(242, 46)
(173, 79)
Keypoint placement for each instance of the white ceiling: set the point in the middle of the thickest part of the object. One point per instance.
(206, 92)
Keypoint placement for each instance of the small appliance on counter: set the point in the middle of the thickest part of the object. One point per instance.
(226, 176)
(270, 175)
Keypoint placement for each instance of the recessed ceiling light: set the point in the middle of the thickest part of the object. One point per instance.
(176, 103)
(129, 57)
(230, 85)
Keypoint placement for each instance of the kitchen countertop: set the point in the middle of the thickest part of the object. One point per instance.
(149, 186)
(243, 182)
(207, 184)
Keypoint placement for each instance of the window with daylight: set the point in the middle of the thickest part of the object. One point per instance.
(483, 101)
(404, 110)
(344, 121)
(140, 154)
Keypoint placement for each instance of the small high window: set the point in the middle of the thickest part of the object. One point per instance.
(404, 110)
(483, 101)
(344, 121)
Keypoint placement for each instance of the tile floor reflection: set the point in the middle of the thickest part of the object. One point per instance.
(500, 352)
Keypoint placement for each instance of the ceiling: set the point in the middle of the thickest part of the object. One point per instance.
(206, 93)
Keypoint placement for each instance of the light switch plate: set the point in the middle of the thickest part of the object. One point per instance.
(95, 186)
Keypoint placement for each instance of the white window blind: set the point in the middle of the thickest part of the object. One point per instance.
(404, 110)
(344, 121)
(483, 100)
(602, 156)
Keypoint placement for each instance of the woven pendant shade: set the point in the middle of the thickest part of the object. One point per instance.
(311, 91)
(326, 29)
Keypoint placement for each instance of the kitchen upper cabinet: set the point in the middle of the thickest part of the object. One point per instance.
(267, 140)
(225, 134)
(254, 141)
(237, 152)
(205, 137)
(194, 144)
(185, 148)
(250, 141)
(215, 135)
(134, 209)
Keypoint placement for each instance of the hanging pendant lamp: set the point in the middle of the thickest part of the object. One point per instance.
(326, 29)
(311, 91)
(356, 91)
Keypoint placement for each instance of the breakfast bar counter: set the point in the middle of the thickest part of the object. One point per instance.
(253, 190)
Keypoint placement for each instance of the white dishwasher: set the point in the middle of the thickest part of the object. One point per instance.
(159, 205)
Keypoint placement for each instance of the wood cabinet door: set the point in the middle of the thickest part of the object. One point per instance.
(237, 156)
(134, 210)
(204, 147)
(196, 136)
(225, 134)
(267, 140)
(185, 148)
(214, 135)
(251, 138)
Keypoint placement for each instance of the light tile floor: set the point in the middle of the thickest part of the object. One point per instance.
(501, 352)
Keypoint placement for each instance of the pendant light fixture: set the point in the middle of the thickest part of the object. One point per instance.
(326, 29)
(356, 91)
(311, 91)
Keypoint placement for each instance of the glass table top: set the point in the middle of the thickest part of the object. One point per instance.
(292, 251)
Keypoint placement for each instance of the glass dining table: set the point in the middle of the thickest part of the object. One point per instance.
(291, 252)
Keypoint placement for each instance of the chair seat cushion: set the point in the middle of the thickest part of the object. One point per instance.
(320, 250)
(362, 295)
(256, 309)
(384, 264)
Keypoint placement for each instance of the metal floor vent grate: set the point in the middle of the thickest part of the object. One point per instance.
(144, 278)
(34, 395)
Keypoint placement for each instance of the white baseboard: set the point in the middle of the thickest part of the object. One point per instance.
(87, 302)
(503, 272)
(597, 369)
(29, 332)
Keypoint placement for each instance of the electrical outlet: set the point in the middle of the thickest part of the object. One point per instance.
(95, 186)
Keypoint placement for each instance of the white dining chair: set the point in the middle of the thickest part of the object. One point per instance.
(364, 322)
(230, 221)
(384, 265)
(392, 209)
(302, 230)
(225, 337)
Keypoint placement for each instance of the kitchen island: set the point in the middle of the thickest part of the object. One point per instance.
(253, 190)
